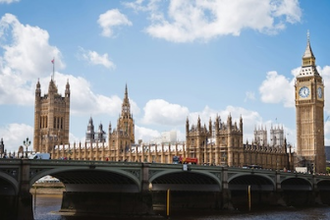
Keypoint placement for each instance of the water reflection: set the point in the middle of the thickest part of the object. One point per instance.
(47, 207)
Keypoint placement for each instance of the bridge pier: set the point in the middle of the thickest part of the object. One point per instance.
(24, 206)
(24, 198)
(226, 194)
(226, 200)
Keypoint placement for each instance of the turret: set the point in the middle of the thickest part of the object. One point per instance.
(52, 88)
(210, 127)
(2, 147)
(217, 125)
(109, 129)
(38, 90)
(67, 90)
(90, 134)
(101, 134)
(229, 122)
(199, 123)
(187, 126)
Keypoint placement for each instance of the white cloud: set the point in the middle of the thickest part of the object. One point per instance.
(23, 62)
(25, 49)
(327, 131)
(289, 9)
(83, 100)
(8, 1)
(325, 73)
(74, 139)
(187, 21)
(159, 111)
(111, 19)
(145, 134)
(16, 133)
(96, 59)
(276, 89)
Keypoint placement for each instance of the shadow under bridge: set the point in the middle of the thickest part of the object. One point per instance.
(96, 181)
(257, 183)
(185, 181)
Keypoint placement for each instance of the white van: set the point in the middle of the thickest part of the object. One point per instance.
(41, 156)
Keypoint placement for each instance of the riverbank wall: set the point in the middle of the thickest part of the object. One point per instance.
(54, 188)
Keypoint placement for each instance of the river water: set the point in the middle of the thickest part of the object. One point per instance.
(47, 207)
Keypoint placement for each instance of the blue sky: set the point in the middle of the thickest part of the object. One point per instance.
(179, 59)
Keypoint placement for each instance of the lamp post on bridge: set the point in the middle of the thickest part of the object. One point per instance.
(26, 143)
(224, 158)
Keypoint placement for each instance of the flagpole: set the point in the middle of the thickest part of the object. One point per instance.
(53, 62)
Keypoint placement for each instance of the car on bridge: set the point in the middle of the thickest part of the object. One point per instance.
(40, 156)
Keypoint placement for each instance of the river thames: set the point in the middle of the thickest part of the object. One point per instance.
(48, 206)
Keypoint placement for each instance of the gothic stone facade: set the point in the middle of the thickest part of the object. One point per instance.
(309, 98)
(222, 144)
(218, 143)
(51, 118)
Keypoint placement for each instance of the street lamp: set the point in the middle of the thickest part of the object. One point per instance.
(225, 158)
(26, 143)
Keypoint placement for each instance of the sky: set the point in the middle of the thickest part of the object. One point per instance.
(179, 59)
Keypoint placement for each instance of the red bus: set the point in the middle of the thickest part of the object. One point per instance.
(188, 160)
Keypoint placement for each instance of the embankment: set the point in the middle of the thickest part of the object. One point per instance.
(54, 188)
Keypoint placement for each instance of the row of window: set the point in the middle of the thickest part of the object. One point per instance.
(57, 123)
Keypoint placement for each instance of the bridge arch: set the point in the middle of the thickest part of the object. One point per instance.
(296, 184)
(256, 181)
(8, 185)
(83, 179)
(323, 185)
(185, 181)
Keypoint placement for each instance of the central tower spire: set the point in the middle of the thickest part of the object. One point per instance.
(308, 57)
(125, 110)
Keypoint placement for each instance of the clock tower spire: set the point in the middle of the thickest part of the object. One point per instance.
(309, 99)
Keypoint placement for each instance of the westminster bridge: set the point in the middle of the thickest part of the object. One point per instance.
(142, 188)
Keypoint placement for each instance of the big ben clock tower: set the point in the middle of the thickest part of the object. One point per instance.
(309, 97)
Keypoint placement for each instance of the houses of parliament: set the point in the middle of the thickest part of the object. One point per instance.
(217, 142)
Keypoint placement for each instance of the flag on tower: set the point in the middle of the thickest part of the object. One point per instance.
(53, 62)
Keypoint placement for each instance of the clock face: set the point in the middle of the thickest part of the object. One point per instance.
(304, 92)
(319, 92)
